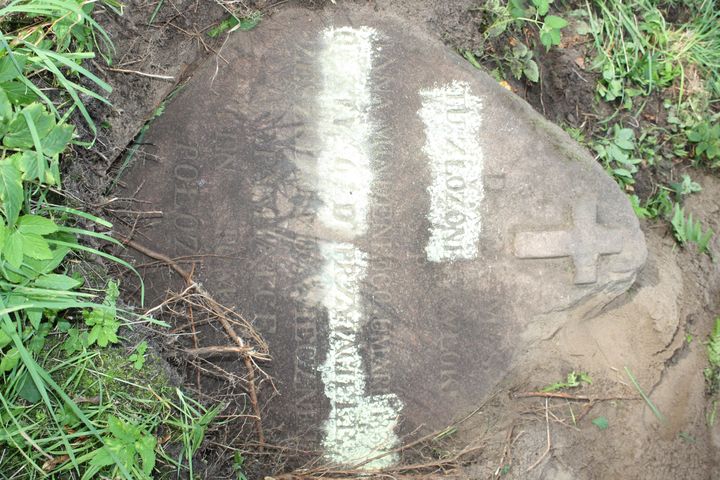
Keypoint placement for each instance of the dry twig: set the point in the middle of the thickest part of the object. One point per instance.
(549, 442)
(567, 396)
(220, 313)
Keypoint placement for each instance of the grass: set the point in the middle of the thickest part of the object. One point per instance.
(639, 51)
(712, 372)
(650, 404)
(73, 402)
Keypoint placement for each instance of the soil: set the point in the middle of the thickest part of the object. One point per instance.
(656, 331)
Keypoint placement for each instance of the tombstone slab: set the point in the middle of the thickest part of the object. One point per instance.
(398, 226)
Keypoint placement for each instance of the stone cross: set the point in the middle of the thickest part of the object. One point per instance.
(584, 242)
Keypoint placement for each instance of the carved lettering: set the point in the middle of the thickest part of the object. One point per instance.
(452, 118)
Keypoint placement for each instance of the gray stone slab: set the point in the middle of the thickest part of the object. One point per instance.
(399, 227)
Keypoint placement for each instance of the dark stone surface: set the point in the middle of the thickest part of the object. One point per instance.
(235, 173)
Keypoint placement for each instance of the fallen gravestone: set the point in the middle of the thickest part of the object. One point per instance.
(398, 226)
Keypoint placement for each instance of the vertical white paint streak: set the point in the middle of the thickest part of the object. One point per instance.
(344, 162)
(359, 426)
(452, 117)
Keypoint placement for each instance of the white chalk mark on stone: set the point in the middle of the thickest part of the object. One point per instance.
(452, 117)
(344, 163)
(359, 426)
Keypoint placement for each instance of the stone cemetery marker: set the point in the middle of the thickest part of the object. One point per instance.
(398, 226)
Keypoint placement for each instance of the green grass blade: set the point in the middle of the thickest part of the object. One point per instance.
(79, 213)
(112, 258)
(649, 402)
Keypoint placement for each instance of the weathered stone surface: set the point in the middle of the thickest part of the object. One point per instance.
(399, 227)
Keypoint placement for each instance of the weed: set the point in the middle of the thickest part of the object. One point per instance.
(706, 137)
(712, 372)
(687, 230)
(520, 61)
(686, 437)
(63, 409)
(138, 358)
(616, 154)
(130, 443)
(238, 465)
(639, 52)
(504, 21)
(191, 421)
(233, 22)
(685, 187)
(573, 380)
(55, 48)
(712, 414)
(536, 12)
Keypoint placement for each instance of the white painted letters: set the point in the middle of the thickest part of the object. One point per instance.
(452, 117)
(360, 426)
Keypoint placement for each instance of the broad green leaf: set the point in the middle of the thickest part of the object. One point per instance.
(18, 93)
(19, 135)
(531, 71)
(72, 343)
(624, 139)
(102, 458)
(542, 6)
(616, 153)
(622, 172)
(34, 246)
(694, 136)
(11, 67)
(9, 360)
(37, 342)
(555, 22)
(712, 151)
(546, 38)
(146, 448)
(13, 251)
(4, 339)
(6, 111)
(29, 163)
(36, 224)
(48, 265)
(28, 390)
(123, 431)
(35, 316)
(520, 50)
(57, 140)
(11, 192)
(57, 282)
(4, 232)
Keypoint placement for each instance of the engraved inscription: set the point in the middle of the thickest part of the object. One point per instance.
(452, 118)
(344, 162)
(186, 193)
(359, 424)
